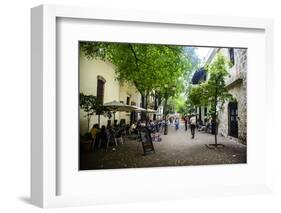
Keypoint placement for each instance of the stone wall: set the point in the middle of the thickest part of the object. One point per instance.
(237, 85)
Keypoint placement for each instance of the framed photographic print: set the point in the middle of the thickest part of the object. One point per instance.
(130, 106)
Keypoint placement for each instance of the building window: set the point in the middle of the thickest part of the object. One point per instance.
(100, 89)
(233, 119)
(231, 55)
(128, 100)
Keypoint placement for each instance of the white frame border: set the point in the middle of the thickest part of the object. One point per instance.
(43, 88)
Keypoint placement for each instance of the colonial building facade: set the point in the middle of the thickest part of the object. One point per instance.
(233, 115)
(98, 78)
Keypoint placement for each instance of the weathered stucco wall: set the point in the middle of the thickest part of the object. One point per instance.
(128, 90)
(237, 84)
(89, 71)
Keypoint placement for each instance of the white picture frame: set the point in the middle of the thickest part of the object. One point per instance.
(44, 154)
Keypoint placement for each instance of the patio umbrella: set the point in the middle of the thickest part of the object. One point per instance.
(116, 106)
(139, 109)
(150, 111)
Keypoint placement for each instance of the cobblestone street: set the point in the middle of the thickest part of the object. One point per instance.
(176, 149)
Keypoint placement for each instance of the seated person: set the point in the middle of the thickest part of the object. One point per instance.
(132, 128)
(151, 126)
(199, 123)
(202, 128)
(142, 124)
(94, 133)
(94, 130)
(103, 136)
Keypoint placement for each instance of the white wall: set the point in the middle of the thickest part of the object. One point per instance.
(15, 106)
(90, 69)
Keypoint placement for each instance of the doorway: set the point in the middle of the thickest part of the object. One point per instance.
(232, 119)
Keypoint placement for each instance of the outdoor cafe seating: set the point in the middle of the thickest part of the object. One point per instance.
(113, 136)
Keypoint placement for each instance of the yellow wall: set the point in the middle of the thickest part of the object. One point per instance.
(88, 73)
(127, 90)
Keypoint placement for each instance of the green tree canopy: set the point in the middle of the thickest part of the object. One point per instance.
(213, 92)
(148, 66)
(179, 104)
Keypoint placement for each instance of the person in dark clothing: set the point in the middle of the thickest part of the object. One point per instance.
(103, 136)
(177, 123)
(193, 125)
(185, 122)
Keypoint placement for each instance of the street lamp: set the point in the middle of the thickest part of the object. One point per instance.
(167, 93)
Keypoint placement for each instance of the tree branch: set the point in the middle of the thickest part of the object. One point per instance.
(135, 55)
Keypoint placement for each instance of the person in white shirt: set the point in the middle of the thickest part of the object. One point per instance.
(192, 125)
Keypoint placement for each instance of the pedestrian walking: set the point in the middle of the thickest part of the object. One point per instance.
(193, 125)
(177, 123)
(185, 122)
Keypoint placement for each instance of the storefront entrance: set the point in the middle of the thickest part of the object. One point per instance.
(232, 119)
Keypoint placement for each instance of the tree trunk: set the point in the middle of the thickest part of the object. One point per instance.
(88, 116)
(146, 106)
(146, 101)
(155, 106)
(142, 105)
(165, 115)
(99, 120)
(216, 141)
(216, 125)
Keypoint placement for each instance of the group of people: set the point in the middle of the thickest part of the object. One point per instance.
(194, 123)
(152, 126)
(102, 136)
(105, 133)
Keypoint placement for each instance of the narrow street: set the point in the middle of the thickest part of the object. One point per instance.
(176, 149)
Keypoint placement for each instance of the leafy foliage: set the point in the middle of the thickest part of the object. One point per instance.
(178, 103)
(213, 93)
(91, 106)
(194, 59)
(216, 92)
(148, 66)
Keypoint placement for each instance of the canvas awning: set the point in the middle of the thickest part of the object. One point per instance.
(139, 109)
(199, 76)
(116, 106)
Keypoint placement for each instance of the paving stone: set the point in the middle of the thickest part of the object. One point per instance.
(176, 149)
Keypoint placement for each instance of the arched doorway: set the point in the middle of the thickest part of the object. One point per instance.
(233, 119)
